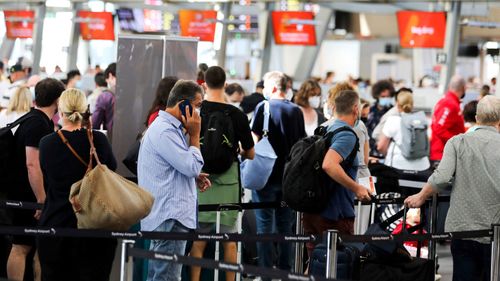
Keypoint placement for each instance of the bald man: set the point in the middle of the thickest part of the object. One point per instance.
(447, 119)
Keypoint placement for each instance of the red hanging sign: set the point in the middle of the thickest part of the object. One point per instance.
(421, 29)
(294, 28)
(19, 24)
(200, 24)
(96, 25)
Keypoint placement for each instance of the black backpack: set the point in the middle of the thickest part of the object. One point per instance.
(7, 151)
(306, 187)
(217, 141)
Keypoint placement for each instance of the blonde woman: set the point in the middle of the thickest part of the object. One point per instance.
(63, 258)
(20, 104)
(392, 138)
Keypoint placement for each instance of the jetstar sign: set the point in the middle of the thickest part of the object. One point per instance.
(421, 29)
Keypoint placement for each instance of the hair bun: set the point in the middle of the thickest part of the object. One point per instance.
(75, 117)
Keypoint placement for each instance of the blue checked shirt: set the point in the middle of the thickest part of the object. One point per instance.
(168, 167)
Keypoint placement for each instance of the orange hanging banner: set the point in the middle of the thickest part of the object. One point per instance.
(197, 23)
(96, 25)
(421, 29)
(294, 28)
(19, 24)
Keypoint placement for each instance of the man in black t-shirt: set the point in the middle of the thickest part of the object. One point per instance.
(28, 178)
(249, 103)
(286, 127)
(225, 186)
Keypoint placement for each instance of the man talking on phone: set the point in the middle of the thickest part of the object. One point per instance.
(169, 166)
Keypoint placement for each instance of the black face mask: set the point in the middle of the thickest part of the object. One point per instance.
(364, 119)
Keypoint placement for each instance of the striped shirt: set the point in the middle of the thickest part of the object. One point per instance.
(168, 167)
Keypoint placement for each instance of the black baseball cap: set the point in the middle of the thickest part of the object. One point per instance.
(15, 68)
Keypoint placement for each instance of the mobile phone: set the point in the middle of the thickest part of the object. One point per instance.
(182, 107)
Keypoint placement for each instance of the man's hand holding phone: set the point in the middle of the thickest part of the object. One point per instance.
(192, 122)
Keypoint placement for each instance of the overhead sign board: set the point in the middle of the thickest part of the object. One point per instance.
(198, 23)
(421, 29)
(294, 28)
(96, 25)
(19, 24)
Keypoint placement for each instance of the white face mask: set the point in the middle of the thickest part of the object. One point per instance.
(235, 104)
(328, 112)
(32, 90)
(266, 93)
(198, 110)
(289, 94)
(314, 101)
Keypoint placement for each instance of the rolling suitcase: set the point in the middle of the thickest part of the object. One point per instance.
(390, 261)
(348, 261)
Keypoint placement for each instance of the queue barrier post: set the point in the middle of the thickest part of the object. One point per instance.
(331, 253)
(299, 248)
(432, 228)
(126, 267)
(495, 254)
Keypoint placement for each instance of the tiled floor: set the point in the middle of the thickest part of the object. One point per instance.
(445, 262)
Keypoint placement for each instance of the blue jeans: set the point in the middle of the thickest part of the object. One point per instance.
(270, 220)
(167, 271)
(471, 260)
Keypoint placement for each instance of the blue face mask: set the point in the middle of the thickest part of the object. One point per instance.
(79, 84)
(386, 102)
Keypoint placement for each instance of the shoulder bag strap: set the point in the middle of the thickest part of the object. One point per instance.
(265, 128)
(93, 151)
(65, 141)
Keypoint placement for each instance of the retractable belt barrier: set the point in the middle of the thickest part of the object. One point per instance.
(193, 236)
(12, 204)
(417, 237)
(211, 264)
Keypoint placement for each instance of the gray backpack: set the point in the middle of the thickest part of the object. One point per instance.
(415, 142)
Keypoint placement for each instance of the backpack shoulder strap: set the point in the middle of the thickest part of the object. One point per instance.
(355, 150)
(20, 120)
(267, 113)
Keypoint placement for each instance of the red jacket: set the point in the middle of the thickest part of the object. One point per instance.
(447, 122)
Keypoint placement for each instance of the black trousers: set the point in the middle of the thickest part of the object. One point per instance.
(78, 259)
(471, 260)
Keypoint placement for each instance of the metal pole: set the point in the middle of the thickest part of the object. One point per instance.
(238, 259)
(495, 254)
(217, 245)
(299, 247)
(432, 228)
(310, 53)
(6, 48)
(266, 37)
(331, 253)
(38, 34)
(451, 44)
(125, 272)
(221, 54)
(75, 39)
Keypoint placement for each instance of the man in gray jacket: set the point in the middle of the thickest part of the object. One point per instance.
(471, 162)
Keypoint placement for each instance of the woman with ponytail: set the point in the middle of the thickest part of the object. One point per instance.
(65, 258)
(392, 138)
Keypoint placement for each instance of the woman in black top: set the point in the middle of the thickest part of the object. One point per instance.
(64, 258)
